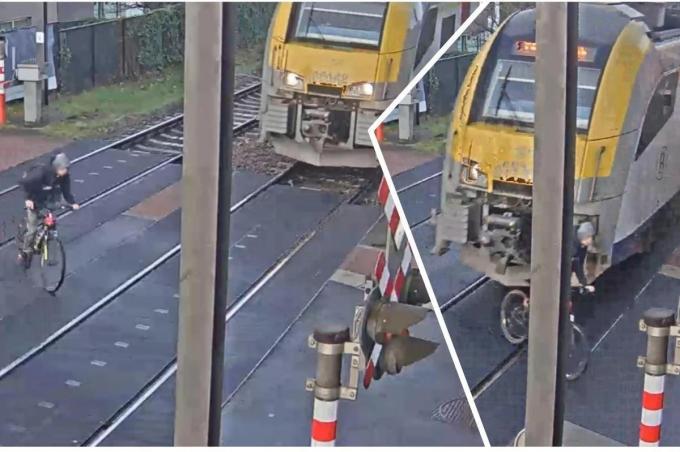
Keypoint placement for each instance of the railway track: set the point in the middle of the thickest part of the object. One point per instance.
(165, 139)
(350, 182)
(153, 139)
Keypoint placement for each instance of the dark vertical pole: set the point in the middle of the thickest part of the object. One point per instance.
(206, 194)
(93, 54)
(38, 20)
(223, 220)
(571, 94)
(552, 219)
(46, 86)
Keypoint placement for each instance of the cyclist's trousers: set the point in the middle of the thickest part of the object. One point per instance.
(31, 229)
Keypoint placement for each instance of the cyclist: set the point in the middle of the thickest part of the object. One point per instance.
(583, 239)
(43, 184)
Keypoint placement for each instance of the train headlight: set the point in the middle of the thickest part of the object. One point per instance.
(474, 172)
(363, 89)
(473, 175)
(292, 80)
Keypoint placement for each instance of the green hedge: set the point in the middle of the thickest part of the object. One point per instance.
(160, 34)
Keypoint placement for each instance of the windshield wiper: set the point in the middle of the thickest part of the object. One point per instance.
(504, 93)
(311, 21)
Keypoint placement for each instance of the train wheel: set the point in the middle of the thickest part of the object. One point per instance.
(515, 316)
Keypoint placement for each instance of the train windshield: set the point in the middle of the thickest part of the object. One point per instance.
(340, 23)
(510, 96)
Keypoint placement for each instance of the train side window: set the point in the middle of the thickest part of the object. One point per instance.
(659, 111)
(426, 33)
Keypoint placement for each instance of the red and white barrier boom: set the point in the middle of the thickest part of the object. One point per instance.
(659, 324)
(379, 341)
(391, 283)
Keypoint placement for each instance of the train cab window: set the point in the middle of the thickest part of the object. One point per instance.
(339, 23)
(426, 33)
(659, 111)
(510, 96)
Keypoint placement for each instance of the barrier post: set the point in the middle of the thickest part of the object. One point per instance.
(329, 347)
(331, 343)
(3, 108)
(657, 323)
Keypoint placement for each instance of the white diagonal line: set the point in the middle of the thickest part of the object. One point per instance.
(407, 227)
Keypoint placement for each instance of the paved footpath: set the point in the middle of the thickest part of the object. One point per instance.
(18, 146)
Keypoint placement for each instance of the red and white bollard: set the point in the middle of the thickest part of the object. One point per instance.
(324, 423)
(329, 342)
(652, 409)
(656, 323)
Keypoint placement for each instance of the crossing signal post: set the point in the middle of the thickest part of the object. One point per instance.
(380, 341)
(386, 344)
(379, 337)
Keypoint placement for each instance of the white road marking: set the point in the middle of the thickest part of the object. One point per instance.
(98, 363)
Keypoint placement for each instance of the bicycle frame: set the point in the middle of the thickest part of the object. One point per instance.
(46, 228)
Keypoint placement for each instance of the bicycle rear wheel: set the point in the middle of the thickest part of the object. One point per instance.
(515, 317)
(52, 264)
(578, 355)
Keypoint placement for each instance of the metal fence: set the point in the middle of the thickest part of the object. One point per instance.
(103, 52)
(91, 55)
(444, 80)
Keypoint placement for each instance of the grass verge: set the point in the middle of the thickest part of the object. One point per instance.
(430, 134)
(105, 110)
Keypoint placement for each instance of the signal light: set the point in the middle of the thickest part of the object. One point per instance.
(383, 330)
(528, 48)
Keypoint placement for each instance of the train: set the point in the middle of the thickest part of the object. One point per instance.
(331, 68)
(627, 163)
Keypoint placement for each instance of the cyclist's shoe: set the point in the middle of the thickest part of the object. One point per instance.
(24, 260)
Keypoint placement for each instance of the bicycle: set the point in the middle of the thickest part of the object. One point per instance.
(48, 246)
(514, 316)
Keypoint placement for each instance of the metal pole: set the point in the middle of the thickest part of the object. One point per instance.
(3, 109)
(552, 219)
(46, 85)
(206, 181)
(656, 322)
(330, 344)
(38, 21)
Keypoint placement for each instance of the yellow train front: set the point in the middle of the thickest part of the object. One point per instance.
(329, 70)
(627, 157)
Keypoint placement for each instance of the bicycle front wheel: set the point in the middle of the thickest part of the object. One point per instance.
(514, 316)
(52, 264)
(578, 355)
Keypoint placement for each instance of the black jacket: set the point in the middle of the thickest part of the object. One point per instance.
(578, 260)
(42, 185)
